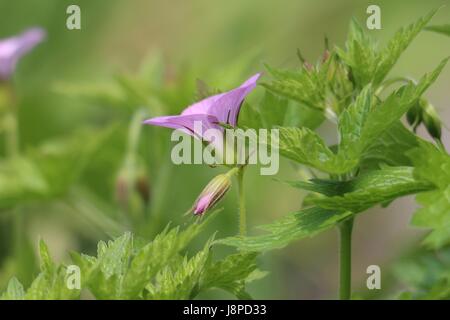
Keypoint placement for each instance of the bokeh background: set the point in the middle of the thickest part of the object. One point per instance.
(141, 58)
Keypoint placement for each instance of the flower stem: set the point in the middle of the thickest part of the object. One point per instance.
(11, 122)
(242, 213)
(345, 256)
(11, 152)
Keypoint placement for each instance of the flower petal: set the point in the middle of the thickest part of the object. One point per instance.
(187, 123)
(13, 48)
(224, 106)
(202, 106)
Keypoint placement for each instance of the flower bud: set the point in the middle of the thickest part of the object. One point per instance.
(131, 188)
(212, 193)
(424, 112)
(431, 120)
(413, 116)
(326, 55)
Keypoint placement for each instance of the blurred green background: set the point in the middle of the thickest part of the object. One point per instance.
(143, 58)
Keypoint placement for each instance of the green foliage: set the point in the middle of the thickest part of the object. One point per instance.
(370, 165)
(325, 87)
(47, 171)
(360, 126)
(340, 200)
(390, 148)
(227, 274)
(126, 268)
(366, 190)
(14, 291)
(306, 147)
(274, 111)
(369, 65)
(377, 159)
(50, 284)
(294, 226)
(433, 165)
(424, 112)
(425, 274)
(305, 86)
(442, 29)
(20, 180)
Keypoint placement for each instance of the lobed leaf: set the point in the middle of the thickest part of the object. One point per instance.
(295, 226)
(433, 165)
(366, 190)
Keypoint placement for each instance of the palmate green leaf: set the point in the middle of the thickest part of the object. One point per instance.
(434, 214)
(51, 283)
(325, 88)
(122, 270)
(151, 258)
(442, 29)
(369, 65)
(390, 148)
(366, 190)
(344, 199)
(129, 268)
(363, 122)
(304, 86)
(397, 45)
(295, 226)
(180, 279)
(306, 147)
(231, 274)
(433, 165)
(103, 274)
(361, 125)
(359, 55)
(353, 121)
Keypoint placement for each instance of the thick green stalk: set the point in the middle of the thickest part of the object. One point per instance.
(242, 212)
(345, 257)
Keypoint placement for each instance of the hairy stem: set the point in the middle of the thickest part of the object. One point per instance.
(345, 256)
(242, 213)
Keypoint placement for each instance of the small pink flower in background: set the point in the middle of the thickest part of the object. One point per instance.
(13, 48)
(210, 112)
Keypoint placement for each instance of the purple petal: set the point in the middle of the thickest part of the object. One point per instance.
(225, 106)
(13, 48)
(186, 123)
(202, 106)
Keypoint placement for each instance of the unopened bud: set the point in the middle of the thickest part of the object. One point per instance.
(131, 186)
(413, 116)
(325, 56)
(431, 120)
(143, 188)
(214, 191)
(424, 112)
